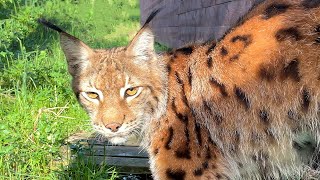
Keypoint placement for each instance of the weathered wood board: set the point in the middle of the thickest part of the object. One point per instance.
(182, 22)
(128, 158)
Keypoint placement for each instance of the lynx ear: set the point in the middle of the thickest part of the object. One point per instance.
(76, 52)
(142, 45)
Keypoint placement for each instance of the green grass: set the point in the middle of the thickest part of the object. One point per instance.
(37, 107)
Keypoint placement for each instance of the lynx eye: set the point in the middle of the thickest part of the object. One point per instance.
(92, 95)
(131, 91)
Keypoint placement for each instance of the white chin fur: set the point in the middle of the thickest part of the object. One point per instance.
(117, 140)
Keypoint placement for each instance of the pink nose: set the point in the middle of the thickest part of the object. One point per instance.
(114, 127)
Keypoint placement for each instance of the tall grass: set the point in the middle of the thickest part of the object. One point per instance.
(37, 107)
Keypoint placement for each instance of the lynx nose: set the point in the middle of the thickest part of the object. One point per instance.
(114, 127)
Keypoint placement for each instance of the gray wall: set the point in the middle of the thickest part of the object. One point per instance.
(185, 21)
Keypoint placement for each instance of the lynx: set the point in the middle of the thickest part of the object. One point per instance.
(225, 110)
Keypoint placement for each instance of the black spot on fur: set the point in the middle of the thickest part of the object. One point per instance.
(254, 158)
(185, 50)
(235, 57)
(151, 109)
(205, 165)
(317, 29)
(170, 137)
(183, 153)
(291, 115)
(75, 66)
(211, 140)
(288, 33)
(172, 57)
(168, 68)
(296, 145)
(242, 98)
(207, 107)
(198, 133)
(211, 48)
(218, 118)
(275, 9)
(174, 107)
(156, 98)
(209, 62)
(305, 99)
(317, 40)
(156, 151)
(213, 166)
(266, 74)
(237, 137)
(183, 93)
(224, 51)
(186, 132)
(221, 86)
(264, 116)
(246, 39)
(208, 153)
(184, 98)
(311, 3)
(291, 71)
(179, 80)
(176, 174)
(190, 77)
(198, 172)
(218, 176)
(180, 116)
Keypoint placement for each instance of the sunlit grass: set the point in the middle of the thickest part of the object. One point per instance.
(37, 107)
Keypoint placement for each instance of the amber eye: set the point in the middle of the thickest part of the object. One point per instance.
(131, 91)
(92, 95)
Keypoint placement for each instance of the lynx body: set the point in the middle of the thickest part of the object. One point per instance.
(225, 110)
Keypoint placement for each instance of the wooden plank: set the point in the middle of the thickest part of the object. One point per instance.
(95, 150)
(94, 139)
(121, 162)
(117, 151)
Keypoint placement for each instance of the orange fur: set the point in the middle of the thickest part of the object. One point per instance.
(231, 110)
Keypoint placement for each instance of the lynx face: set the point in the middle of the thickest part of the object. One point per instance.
(117, 87)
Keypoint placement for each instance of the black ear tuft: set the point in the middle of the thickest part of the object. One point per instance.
(49, 25)
(151, 16)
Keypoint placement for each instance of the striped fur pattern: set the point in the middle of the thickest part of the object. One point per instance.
(226, 110)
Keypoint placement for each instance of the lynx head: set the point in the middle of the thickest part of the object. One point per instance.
(121, 88)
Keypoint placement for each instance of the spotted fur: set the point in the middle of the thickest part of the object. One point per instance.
(227, 110)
